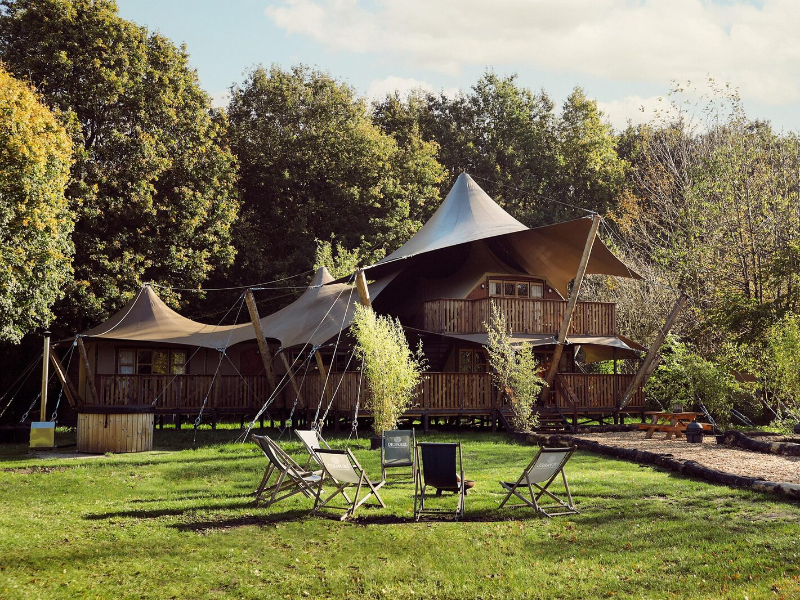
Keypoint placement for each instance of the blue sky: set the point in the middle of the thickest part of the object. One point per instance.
(624, 53)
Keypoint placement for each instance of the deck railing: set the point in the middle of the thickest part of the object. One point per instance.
(438, 392)
(524, 315)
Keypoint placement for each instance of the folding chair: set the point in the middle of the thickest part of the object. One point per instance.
(544, 468)
(311, 439)
(442, 467)
(343, 469)
(291, 477)
(397, 450)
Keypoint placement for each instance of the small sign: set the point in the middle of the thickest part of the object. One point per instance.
(43, 434)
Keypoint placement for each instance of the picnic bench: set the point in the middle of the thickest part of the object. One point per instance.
(672, 423)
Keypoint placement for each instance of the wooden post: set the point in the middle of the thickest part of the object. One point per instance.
(45, 376)
(70, 391)
(649, 363)
(363, 290)
(323, 377)
(88, 370)
(291, 377)
(566, 321)
(263, 348)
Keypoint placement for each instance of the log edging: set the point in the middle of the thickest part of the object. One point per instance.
(690, 468)
(740, 440)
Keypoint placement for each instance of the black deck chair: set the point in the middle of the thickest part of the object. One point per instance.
(440, 466)
(291, 478)
(397, 450)
(344, 471)
(539, 474)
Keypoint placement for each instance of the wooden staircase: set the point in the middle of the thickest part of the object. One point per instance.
(551, 420)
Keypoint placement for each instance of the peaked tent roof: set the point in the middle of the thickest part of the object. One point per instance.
(469, 215)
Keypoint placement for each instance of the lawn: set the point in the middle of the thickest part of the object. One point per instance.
(178, 523)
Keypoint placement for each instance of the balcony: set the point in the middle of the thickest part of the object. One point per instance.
(523, 315)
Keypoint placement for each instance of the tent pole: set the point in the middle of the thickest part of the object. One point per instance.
(323, 375)
(290, 373)
(45, 376)
(650, 361)
(566, 321)
(87, 368)
(363, 290)
(263, 348)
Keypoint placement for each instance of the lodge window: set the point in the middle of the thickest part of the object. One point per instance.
(472, 361)
(515, 289)
(151, 361)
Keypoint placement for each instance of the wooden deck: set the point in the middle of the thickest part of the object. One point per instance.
(523, 315)
(439, 394)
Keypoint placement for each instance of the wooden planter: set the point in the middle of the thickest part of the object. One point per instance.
(115, 429)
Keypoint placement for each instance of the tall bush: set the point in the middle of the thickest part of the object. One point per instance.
(515, 372)
(392, 370)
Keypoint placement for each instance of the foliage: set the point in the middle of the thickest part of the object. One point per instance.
(313, 165)
(153, 181)
(35, 223)
(179, 523)
(532, 161)
(392, 370)
(686, 378)
(339, 261)
(515, 371)
(780, 375)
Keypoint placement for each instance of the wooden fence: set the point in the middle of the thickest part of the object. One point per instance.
(523, 316)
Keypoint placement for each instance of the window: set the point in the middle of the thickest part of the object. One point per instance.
(495, 288)
(472, 361)
(150, 361)
(516, 289)
(537, 290)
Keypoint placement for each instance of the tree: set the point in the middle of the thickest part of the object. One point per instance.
(153, 181)
(313, 165)
(393, 372)
(515, 371)
(35, 223)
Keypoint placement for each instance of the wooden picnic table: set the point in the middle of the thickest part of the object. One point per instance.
(672, 423)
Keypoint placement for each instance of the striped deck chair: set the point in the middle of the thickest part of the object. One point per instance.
(539, 474)
(290, 478)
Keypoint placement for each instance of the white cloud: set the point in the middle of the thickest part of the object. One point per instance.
(379, 88)
(220, 99)
(753, 45)
(633, 109)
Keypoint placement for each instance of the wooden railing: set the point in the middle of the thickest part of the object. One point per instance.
(445, 392)
(523, 316)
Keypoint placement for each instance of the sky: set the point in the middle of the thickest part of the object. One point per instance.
(626, 54)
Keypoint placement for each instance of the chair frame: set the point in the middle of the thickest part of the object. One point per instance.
(413, 453)
(291, 477)
(523, 483)
(341, 486)
(310, 448)
(420, 486)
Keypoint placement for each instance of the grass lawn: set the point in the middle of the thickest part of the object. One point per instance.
(177, 522)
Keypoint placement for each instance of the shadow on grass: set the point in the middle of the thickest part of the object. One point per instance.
(167, 512)
(245, 521)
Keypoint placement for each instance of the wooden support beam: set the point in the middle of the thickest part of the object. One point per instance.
(651, 360)
(263, 348)
(323, 377)
(45, 377)
(566, 321)
(90, 383)
(69, 389)
(363, 290)
(291, 378)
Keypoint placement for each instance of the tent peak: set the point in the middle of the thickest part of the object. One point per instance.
(321, 277)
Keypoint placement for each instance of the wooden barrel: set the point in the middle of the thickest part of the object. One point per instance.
(115, 429)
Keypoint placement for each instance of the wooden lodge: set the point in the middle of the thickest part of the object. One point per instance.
(296, 363)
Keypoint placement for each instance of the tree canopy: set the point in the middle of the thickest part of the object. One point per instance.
(35, 222)
(153, 183)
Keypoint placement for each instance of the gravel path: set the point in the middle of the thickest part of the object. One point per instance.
(768, 467)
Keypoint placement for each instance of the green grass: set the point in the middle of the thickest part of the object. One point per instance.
(178, 522)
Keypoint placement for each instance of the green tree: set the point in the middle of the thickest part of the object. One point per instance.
(313, 165)
(153, 184)
(35, 223)
(393, 372)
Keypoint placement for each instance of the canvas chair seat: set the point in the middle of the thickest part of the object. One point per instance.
(397, 450)
(539, 474)
(290, 478)
(440, 466)
(342, 468)
(311, 439)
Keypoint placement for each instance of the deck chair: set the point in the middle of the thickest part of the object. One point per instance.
(311, 439)
(291, 478)
(539, 474)
(440, 466)
(397, 450)
(345, 472)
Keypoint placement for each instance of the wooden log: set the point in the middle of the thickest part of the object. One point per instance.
(90, 383)
(740, 440)
(648, 365)
(263, 347)
(292, 380)
(70, 391)
(566, 320)
(363, 290)
(45, 377)
(323, 377)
